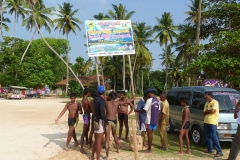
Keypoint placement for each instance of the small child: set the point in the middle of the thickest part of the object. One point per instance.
(73, 108)
(185, 125)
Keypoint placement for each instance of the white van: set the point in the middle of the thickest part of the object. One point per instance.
(227, 99)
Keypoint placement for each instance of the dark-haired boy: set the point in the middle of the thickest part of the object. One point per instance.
(86, 118)
(73, 108)
(123, 114)
(185, 125)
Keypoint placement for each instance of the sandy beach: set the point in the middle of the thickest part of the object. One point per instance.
(28, 131)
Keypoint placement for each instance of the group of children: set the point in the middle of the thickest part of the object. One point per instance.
(104, 110)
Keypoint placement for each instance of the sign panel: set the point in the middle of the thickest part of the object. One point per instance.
(109, 37)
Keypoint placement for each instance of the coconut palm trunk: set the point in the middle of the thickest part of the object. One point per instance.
(28, 45)
(52, 48)
(123, 72)
(15, 23)
(67, 71)
(1, 22)
(103, 81)
(166, 63)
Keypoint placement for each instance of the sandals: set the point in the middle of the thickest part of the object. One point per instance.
(218, 155)
(207, 151)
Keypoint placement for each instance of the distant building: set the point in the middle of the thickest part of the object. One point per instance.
(87, 81)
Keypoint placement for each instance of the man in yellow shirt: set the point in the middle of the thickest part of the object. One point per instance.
(163, 120)
(211, 112)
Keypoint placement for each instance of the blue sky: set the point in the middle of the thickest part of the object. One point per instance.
(146, 11)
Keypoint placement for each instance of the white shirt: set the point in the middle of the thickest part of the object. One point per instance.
(238, 119)
(147, 108)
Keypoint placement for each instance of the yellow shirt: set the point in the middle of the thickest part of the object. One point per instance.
(211, 118)
(164, 110)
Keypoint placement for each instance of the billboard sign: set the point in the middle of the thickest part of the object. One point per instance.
(109, 37)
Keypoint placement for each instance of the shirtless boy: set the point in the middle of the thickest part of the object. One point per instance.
(123, 115)
(111, 113)
(73, 108)
(185, 125)
(92, 110)
(86, 118)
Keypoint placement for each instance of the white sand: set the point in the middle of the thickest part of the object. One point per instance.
(28, 131)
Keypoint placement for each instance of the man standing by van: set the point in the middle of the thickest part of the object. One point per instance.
(211, 112)
(163, 120)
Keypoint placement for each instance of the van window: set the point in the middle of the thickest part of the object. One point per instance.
(227, 100)
(171, 97)
(198, 100)
(182, 95)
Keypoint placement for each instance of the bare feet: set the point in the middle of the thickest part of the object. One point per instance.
(147, 151)
(188, 152)
(66, 149)
(180, 153)
(91, 158)
(145, 145)
(87, 142)
(82, 151)
(118, 150)
(76, 143)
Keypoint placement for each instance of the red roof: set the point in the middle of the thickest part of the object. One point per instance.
(85, 80)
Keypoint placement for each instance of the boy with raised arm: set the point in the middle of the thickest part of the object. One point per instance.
(111, 113)
(73, 108)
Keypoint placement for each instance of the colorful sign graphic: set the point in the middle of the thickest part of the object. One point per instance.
(214, 83)
(109, 37)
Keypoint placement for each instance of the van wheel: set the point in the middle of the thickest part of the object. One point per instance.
(197, 136)
(170, 128)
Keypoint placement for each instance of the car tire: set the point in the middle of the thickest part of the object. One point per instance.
(197, 136)
(170, 128)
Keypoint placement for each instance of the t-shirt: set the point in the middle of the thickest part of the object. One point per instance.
(152, 108)
(238, 119)
(142, 115)
(211, 118)
(165, 111)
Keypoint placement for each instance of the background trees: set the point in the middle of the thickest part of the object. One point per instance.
(218, 57)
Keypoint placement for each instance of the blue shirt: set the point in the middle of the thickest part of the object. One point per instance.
(142, 115)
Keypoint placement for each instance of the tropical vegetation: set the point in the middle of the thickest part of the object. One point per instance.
(45, 61)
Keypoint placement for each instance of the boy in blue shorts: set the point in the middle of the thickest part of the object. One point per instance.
(152, 108)
(142, 117)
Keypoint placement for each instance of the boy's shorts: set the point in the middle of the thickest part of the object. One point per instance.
(151, 126)
(86, 118)
(142, 126)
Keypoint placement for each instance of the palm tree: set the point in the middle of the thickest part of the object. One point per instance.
(121, 13)
(194, 8)
(67, 23)
(142, 35)
(1, 20)
(41, 14)
(170, 59)
(16, 7)
(31, 4)
(113, 68)
(165, 33)
(100, 16)
(3, 24)
(183, 45)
